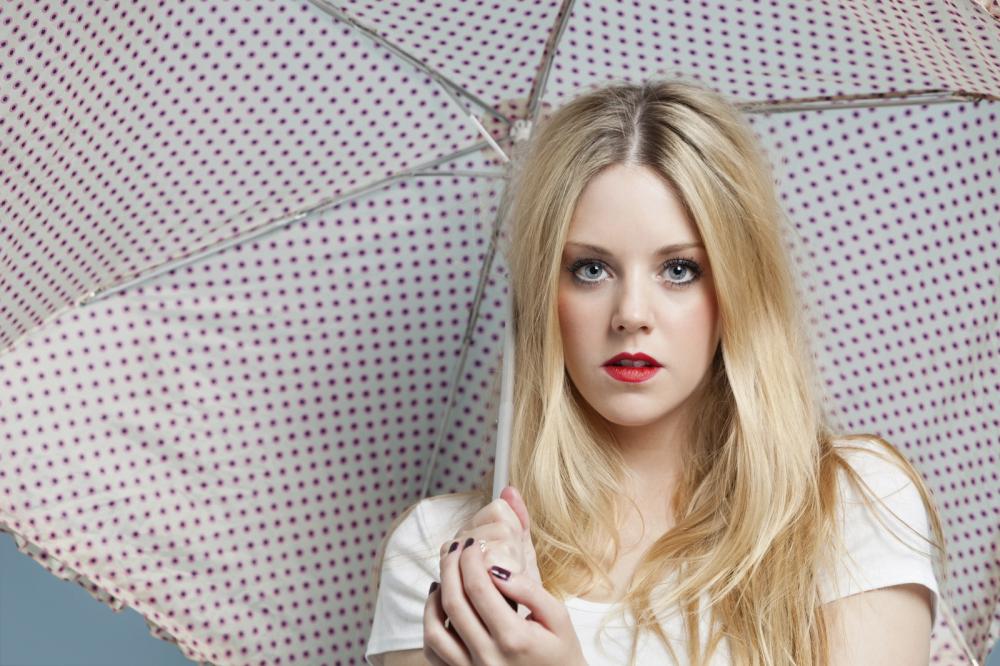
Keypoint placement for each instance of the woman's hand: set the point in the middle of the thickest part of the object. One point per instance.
(484, 630)
(505, 526)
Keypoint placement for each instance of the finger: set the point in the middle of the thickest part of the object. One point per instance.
(498, 511)
(545, 609)
(527, 558)
(513, 498)
(432, 658)
(500, 619)
(456, 605)
(508, 552)
(441, 646)
(497, 532)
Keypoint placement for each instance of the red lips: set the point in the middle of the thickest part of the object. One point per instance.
(625, 356)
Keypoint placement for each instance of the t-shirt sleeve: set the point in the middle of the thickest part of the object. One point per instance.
(874, 557)
(411, 562)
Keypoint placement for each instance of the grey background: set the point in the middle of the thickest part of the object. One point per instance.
(46, 621)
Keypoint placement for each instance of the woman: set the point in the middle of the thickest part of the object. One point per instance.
(700, 508)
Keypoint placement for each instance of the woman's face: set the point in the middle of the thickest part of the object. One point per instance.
(633, 292)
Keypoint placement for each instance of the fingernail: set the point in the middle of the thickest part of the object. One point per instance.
(454, 545)
(468, 542)
(434, 586)
(500, 572)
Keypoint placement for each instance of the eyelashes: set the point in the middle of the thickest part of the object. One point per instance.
(690, 265)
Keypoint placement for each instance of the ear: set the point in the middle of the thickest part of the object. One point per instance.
(513, 498)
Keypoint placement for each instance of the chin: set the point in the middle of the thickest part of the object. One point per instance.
(630, 420)
(629, 414)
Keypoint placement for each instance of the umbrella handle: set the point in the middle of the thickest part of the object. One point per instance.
(501, 467)
(502, 458)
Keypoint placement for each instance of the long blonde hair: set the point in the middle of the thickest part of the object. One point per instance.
(755, 509)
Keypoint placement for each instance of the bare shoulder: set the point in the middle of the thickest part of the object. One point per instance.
(889, 625)
(405, 658)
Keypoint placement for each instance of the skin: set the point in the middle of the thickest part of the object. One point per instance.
(664, 307)
(484, 629)
(883, 627)
(636, 300)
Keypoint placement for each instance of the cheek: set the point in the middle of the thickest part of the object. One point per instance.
(695, 323)
(565, 317)
(682, 311)
(572, 324)
(710, 315)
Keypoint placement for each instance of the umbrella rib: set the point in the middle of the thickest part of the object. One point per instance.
(446, 83)
(274, 225)
(550, 55)
(476, 174)
(864, 100)
(460, 365)
(533, 106)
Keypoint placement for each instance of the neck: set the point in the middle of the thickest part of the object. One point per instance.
(654, 454)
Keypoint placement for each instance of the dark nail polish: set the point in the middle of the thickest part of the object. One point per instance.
(468, 542)
(500, 572)
(434, 586)
(454, 545)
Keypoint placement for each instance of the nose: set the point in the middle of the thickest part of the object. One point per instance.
(633, 308)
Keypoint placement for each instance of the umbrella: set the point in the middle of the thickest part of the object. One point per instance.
(251, 303)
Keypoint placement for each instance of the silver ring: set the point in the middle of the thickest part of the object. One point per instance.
(482, 545)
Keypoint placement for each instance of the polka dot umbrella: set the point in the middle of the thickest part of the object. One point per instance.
(251, 305)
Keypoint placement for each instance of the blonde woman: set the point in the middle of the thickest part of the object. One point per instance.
(682, 498)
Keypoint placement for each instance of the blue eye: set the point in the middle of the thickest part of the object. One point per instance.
(686, 267)
(582, 264)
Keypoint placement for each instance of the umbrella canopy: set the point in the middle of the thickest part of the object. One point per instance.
(251, 305)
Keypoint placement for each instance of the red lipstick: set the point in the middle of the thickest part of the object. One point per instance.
(629, 373)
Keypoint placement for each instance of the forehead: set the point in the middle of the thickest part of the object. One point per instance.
(630, 208)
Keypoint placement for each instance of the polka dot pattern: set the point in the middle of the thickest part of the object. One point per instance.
(222, 447)
(492, 49)
(768, 51)
(136, 135)
(897, 247)
(234, 436)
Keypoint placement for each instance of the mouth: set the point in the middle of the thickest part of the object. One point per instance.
(631, 368)
(627, 359)
(631, 374)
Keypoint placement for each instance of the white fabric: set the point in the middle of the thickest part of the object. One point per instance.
(876, 560)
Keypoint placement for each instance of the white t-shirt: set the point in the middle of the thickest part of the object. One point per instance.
(412, 562)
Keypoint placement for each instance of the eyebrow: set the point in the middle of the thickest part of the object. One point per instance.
(667, 249)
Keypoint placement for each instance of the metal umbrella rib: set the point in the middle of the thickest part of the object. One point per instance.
(419, 171)
(446, 84)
